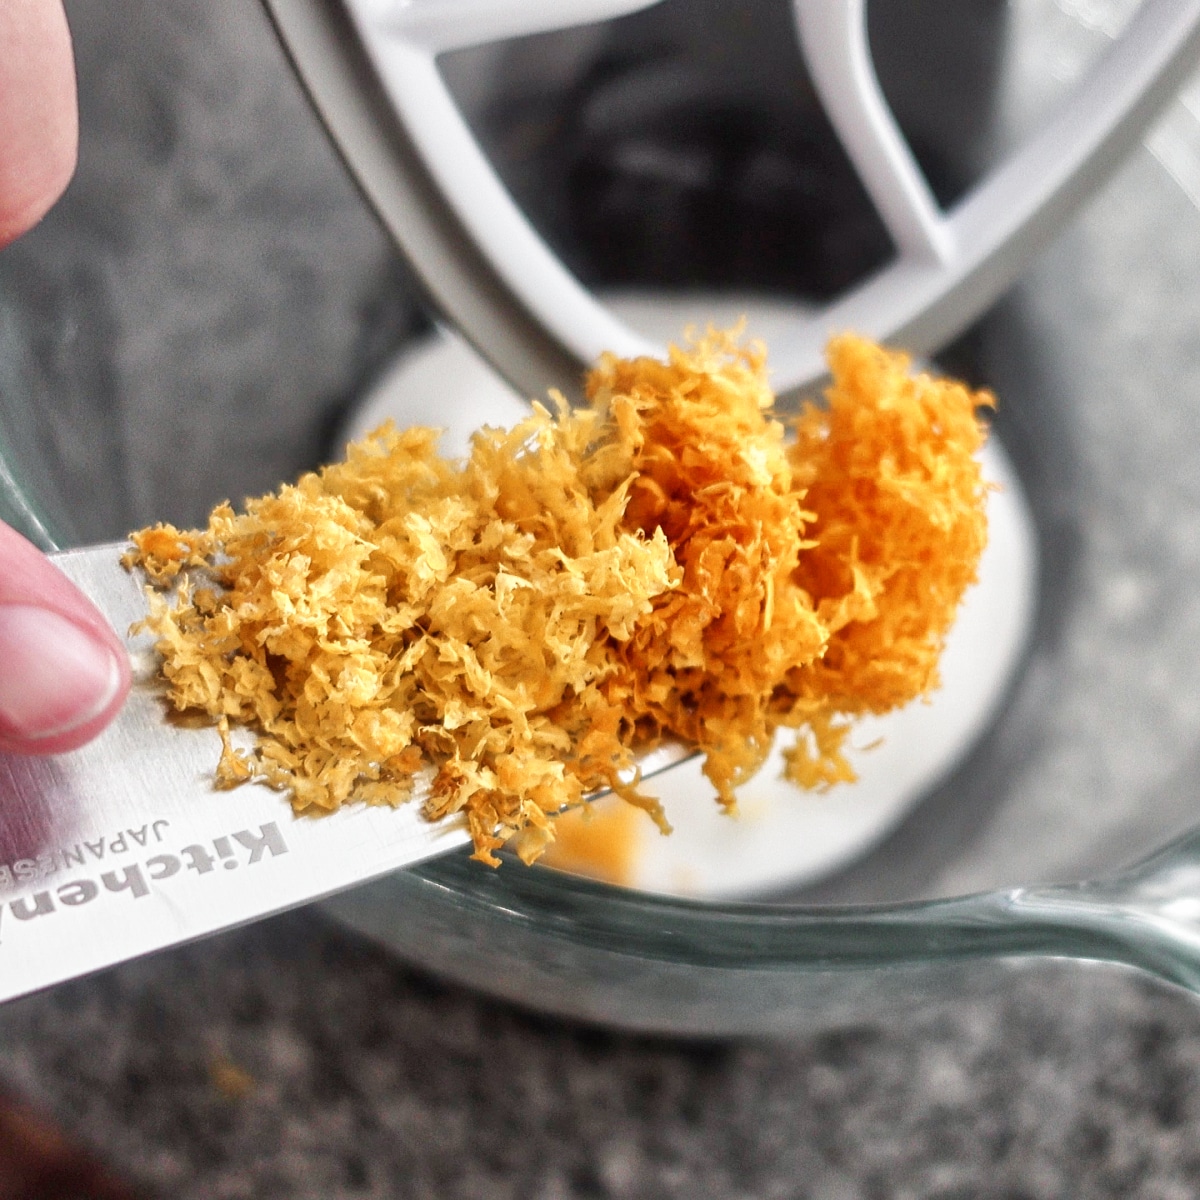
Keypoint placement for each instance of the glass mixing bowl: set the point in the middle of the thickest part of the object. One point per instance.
(203, 309)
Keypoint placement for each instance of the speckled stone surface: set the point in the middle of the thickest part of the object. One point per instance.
(364, 1079)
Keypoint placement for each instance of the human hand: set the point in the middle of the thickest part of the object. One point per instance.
(39, 125)
(63, 671)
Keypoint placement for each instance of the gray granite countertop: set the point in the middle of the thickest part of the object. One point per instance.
(293, 1060)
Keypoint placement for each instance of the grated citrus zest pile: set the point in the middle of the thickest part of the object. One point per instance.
(662, 564)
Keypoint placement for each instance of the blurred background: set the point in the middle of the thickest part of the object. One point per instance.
(195, 319)
(198, 319)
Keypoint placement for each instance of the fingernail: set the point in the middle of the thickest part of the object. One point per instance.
(54, 676)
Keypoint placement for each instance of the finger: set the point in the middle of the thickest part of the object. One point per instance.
(63, 671)
(39, 125)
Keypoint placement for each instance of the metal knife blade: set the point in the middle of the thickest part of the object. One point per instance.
(125, 846)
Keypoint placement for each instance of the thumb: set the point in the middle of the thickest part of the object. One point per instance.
(38, 119)
(63, 671)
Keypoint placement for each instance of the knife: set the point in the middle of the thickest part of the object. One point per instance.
(125, 846)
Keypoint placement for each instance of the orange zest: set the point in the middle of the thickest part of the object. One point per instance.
(665, 563)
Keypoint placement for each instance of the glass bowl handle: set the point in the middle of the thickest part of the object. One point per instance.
(1147, 917)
